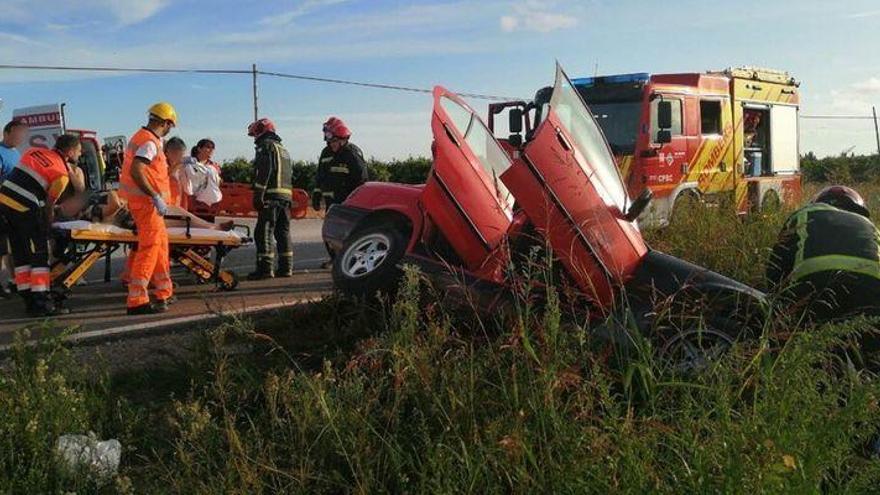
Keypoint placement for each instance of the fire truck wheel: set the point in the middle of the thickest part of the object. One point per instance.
(367, 263)
(684, 205)
(771, 202)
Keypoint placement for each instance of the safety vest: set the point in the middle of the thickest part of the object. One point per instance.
(40, 175)
(156, 173)
(830, 239)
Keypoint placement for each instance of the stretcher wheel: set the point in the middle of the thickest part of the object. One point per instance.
(228, 281)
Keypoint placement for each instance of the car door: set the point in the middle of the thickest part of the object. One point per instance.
(463, 195)
(568, 184)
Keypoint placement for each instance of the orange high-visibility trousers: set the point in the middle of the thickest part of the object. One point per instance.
(150, 262)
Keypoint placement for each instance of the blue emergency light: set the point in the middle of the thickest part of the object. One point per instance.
(636, 77)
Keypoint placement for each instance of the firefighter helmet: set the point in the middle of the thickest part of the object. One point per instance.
(260, 127)
(844, 198)
(164, 111)
(335, 128)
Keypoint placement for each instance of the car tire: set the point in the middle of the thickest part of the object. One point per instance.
(367, 264)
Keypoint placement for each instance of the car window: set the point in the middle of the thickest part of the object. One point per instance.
(492, 158)
(589, 140)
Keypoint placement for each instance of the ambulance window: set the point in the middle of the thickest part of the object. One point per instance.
(675, 130)
(710, 117)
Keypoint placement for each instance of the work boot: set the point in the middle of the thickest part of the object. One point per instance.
(5, 293)
(42, 306)
(263, 271)
(147, 309)
(260, 275)
(165, 303)
(285, 267)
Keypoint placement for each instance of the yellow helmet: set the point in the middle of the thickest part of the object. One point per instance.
(164, 111)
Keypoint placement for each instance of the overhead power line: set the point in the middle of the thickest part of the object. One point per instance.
(838, 117)
(283, 75)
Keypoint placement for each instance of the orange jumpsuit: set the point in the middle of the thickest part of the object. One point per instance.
(150, 262)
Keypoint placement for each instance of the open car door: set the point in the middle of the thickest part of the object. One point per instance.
(569, 186)
(463, 195)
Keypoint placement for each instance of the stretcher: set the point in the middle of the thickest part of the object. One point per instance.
(88, 242)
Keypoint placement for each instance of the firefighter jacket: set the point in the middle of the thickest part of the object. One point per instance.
(823, 248)
(340, 173)
(273, 169)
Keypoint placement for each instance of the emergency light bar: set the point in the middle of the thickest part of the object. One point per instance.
(637, 77)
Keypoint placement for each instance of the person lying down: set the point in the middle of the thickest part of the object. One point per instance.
(109, 208)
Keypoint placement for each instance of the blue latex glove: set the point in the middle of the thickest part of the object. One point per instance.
(160, 205)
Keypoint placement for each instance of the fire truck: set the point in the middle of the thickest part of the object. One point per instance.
(730, 134)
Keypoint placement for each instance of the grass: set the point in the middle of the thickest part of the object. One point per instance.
(423, 397)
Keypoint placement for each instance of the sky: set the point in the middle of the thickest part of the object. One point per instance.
(505, 48)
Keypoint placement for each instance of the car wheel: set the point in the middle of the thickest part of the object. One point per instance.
(693, 348)
(367, 263)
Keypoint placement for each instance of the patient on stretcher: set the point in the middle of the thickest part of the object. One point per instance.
(109, 208)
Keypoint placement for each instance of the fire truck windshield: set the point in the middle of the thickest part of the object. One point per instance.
(620, 124)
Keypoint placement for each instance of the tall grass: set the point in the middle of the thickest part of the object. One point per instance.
(429, 398)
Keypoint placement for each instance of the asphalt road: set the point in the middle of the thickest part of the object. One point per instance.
(98, 308)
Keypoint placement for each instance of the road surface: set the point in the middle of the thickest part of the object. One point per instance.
(98, 308)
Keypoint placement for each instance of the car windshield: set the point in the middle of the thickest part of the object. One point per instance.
(597, 158)
(619, 123)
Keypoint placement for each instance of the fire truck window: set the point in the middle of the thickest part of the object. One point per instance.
(675, 130)
(710, 117)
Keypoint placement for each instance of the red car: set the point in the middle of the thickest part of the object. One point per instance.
(484, 205)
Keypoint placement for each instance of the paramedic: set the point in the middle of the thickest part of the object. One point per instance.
(27, 199)
(144, 184)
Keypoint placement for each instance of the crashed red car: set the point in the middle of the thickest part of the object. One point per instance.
(482, 203)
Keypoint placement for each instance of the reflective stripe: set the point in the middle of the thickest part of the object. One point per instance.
(836, 263)
(259, 186)
(34, 175)
(15, 205)
(23, 277)
(12, 186)
(329, 194)
(162, 286)
(40, 279)
(287, 255)
(340, 170)
(280, 190)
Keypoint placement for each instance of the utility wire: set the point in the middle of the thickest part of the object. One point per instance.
(833, 117)
(282, 75)
(125, 69)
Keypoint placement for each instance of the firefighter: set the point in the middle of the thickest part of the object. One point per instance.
(827, 258)
(144, 184)
(27, 200)
(341, 166)
(272, 192)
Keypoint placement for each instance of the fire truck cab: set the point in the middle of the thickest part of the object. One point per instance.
(709, 136)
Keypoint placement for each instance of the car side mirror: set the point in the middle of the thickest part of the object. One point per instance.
(638, 206)
(664, 136)
(515, 116)
(664, 115)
